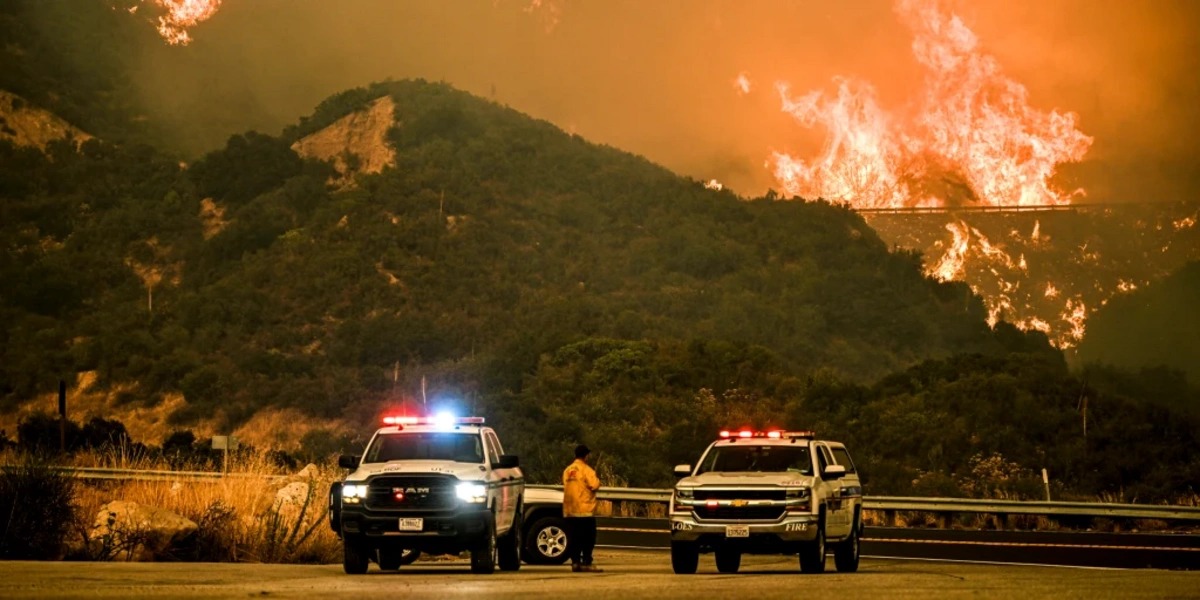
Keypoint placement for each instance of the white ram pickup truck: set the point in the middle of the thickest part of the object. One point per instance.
(440, 485)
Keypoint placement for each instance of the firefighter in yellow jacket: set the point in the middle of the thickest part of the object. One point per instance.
(579, 508)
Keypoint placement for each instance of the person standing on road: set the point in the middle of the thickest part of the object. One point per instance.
(579, 508)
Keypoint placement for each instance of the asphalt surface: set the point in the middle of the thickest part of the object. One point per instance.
(1117, 550)
(628, 575)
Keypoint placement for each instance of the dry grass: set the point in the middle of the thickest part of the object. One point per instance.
(240, 518)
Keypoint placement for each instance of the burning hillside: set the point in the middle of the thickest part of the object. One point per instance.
(970, 137)
(1049, 269)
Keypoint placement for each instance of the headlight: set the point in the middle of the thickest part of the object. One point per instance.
(353, 494)
(684, 493)
(797, 492)
(471, 492)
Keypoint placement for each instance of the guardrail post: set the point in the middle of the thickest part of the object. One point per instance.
(889, 518)
(942, 519)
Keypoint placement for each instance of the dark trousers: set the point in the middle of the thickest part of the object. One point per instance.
(583, 538)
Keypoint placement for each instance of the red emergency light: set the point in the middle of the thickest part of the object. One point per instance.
(774, 434)
(438, 420)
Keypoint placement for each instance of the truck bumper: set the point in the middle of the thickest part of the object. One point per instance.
(767, 536)
(439, 529)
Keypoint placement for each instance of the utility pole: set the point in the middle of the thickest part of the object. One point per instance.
(1046, 482)
(423, 403)
(62, 416)
(1085, 418)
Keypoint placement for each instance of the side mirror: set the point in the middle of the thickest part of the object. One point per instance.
(507, 461)
(834, 472)
(349, 461)
(683, 470)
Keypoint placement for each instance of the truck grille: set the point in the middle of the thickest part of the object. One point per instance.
(747, 494)
(740, 513)
(420, 493)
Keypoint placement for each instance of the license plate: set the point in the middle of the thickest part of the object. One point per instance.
(412, 524)
(737, 531)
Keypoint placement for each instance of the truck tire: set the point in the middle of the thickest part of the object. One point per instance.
(812, 556)
(685, 558)
(509, 551)
(483, 552)
(354, 559)
(728, 561)
(547, 542)
(335, 507)
(845, 553)
(390, 559)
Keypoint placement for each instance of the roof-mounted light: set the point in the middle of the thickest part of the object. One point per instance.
(442, 420)
(773, 434)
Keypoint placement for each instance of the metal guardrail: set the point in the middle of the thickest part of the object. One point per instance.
(1021, 507)
(654, 495)
(156, 475)
(622, 494)
(959, 505)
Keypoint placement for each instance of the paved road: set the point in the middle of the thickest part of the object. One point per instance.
(628, 575)
(1121, 550)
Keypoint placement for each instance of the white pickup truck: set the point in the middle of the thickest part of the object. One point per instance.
(442, 485)
(770, 492)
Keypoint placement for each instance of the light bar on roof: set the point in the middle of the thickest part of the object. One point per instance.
(436, 420)
(773, 434)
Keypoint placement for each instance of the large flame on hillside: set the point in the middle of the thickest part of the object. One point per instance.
(970, 137)
(180, 15)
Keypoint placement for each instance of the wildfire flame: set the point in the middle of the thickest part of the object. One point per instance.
(713, 184)
(951, 264)
(1075, 315)
(973, 139)
(180, 15)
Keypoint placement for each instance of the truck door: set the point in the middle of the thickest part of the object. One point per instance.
(836, 520)
(506, 499)
(851, 484)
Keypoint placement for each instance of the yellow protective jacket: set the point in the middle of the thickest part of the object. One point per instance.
(579, 490)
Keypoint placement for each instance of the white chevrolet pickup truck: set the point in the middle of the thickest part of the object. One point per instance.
(770, 492)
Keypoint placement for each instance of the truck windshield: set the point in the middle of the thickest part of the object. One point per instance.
(458, 447)
(758, 459)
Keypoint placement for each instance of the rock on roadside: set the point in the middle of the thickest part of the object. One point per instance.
(137, 532)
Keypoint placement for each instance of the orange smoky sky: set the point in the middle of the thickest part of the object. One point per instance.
(658, 77)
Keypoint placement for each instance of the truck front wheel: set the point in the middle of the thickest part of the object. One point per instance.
(685, 558)
(812, 556)
(483, 554)
(845, 554)
(354, 559)
(509, 553)
(728, 561)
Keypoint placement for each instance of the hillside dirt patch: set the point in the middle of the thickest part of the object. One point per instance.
(356, 143)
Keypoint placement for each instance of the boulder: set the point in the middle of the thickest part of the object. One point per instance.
(292, 494)
(131, 531)
(308, 472)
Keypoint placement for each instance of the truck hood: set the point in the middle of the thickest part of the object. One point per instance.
(747, 479)
(463, 471)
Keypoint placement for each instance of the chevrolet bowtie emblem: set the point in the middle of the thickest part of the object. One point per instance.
(739, 503)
